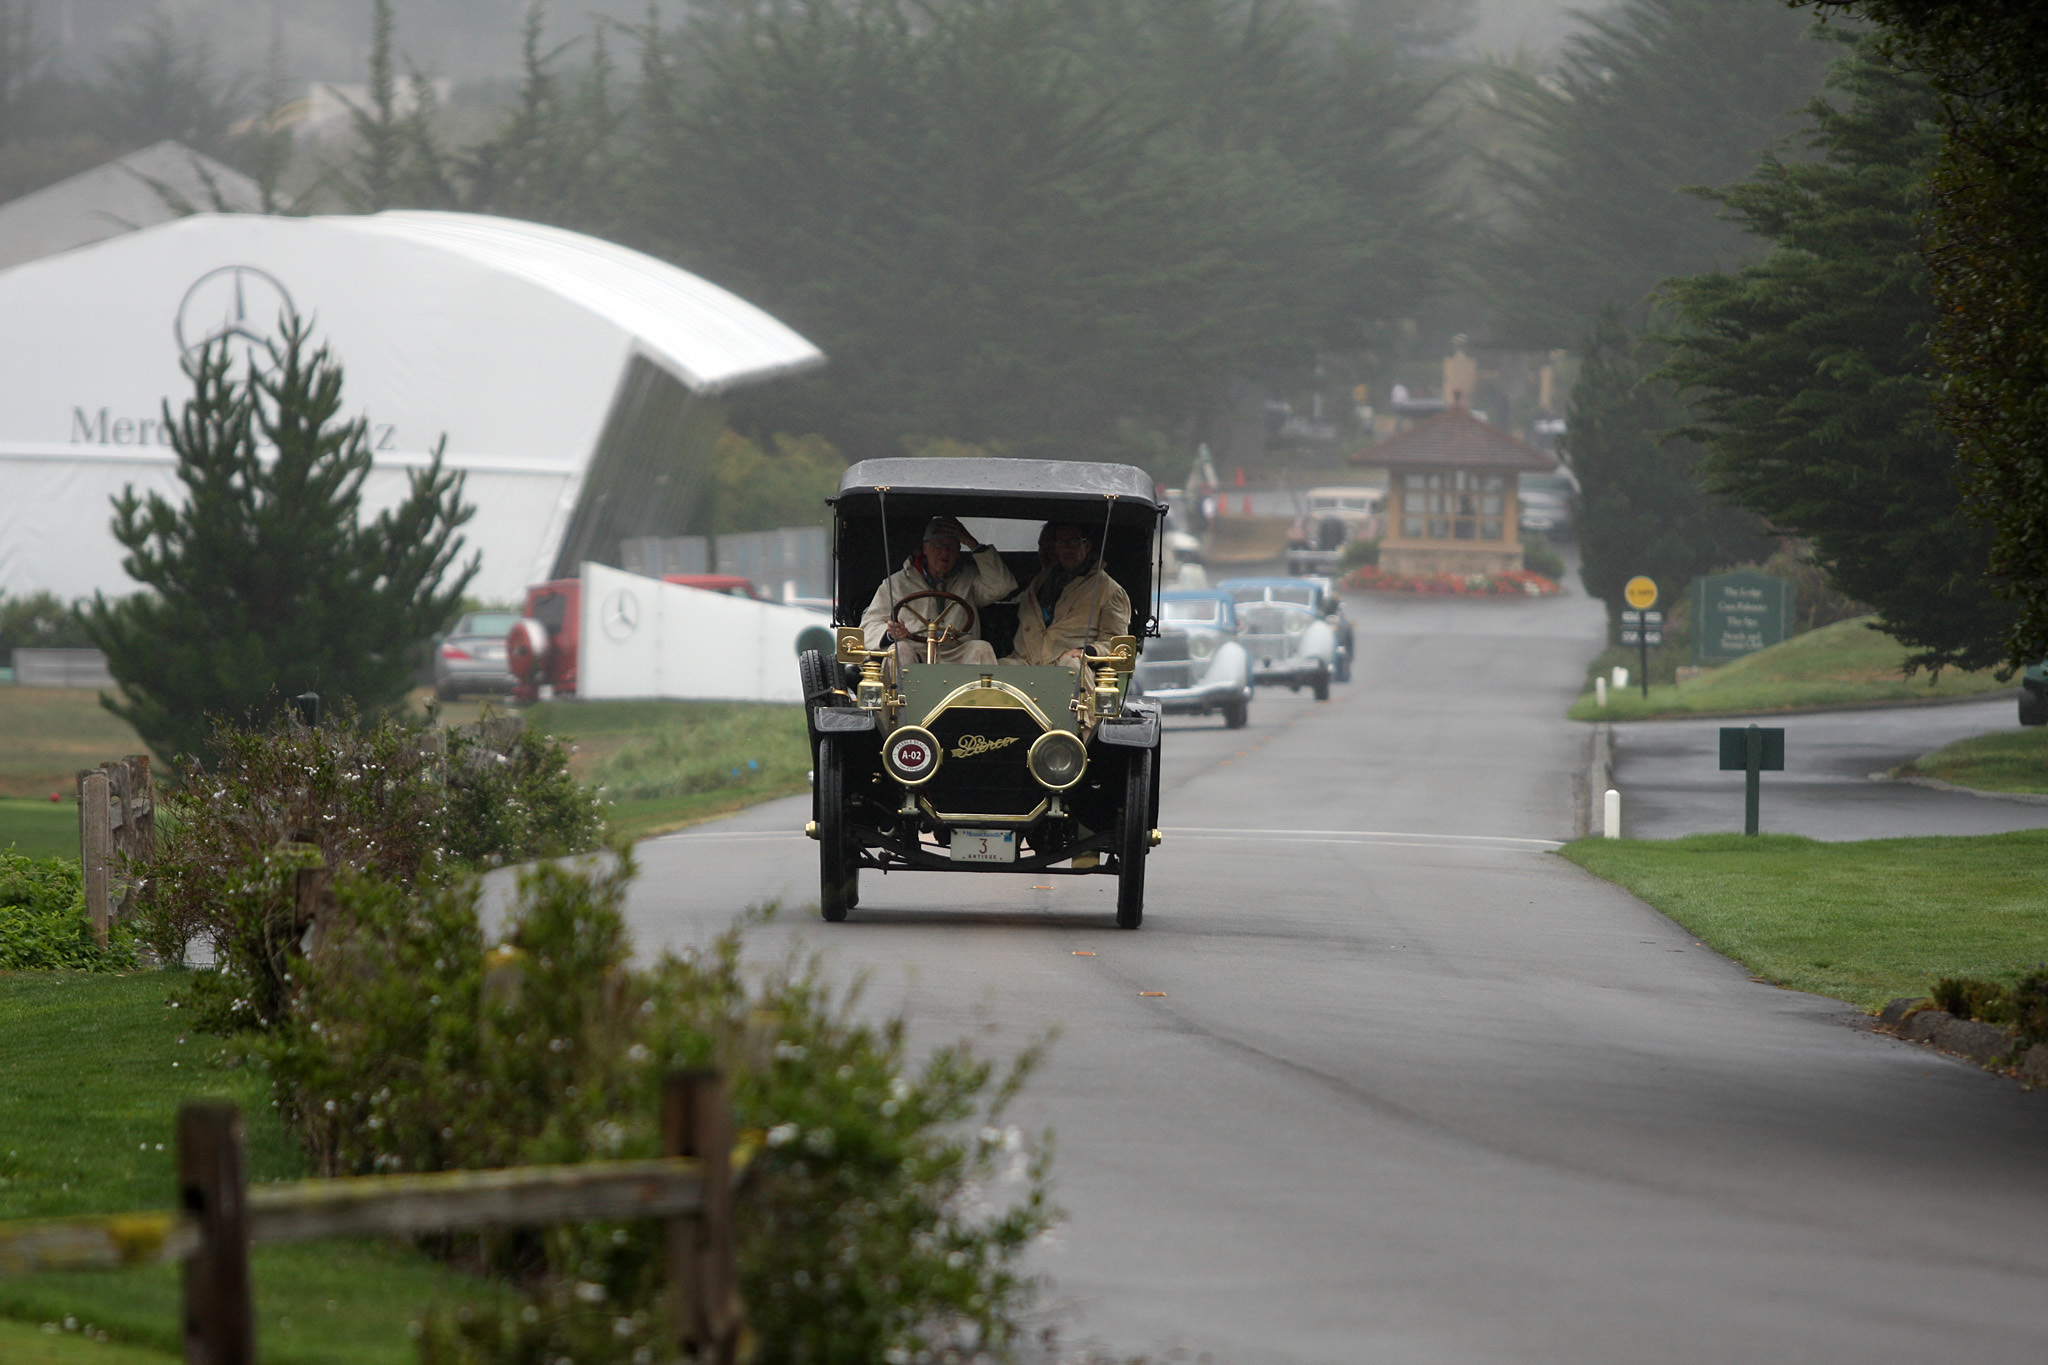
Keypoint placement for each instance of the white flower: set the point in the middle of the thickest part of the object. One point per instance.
(783, 1133)
(589, 1291)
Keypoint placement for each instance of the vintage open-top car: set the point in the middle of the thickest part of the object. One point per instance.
(982, 768)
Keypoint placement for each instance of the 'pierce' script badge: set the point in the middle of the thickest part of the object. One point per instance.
(911, 756)
(973, 746)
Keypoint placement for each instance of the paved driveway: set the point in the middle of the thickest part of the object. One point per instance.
(1668, 774)
(1418, 1090)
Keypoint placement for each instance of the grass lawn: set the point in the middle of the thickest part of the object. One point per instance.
(90, 1081)
(1842, 664)
(2013, 760)
(39, 829)
(666, 764)
(1863, 922)
(48, 733)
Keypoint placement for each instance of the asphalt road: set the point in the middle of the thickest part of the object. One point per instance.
(1668, 773)
(1418, 1090)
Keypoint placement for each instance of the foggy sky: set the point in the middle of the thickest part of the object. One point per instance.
(468, 39)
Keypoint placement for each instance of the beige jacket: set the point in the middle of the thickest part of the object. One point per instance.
(1071, 627)
(981, 578)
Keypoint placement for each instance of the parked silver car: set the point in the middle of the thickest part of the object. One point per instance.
(471, 656)
(1196, 666)
(1282, 626)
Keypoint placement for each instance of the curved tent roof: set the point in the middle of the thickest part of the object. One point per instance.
(573, 379)
(706, 337)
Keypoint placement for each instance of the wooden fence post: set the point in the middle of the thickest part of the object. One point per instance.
(695, 1122)
(213, 1185)
(95, 846)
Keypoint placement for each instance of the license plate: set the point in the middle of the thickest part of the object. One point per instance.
(984, 845)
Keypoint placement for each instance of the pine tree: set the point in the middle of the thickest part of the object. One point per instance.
(1987, 63)
(1812, 377)
(266, 583)
(1643, 511)
(1653, 96)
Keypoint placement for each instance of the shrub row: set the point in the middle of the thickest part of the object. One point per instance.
(43, 922)
(884, 1220)
(389, 799)
(888, 1215)
(2022, 1006)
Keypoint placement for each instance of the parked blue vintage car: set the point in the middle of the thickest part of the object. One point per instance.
(1196, 666)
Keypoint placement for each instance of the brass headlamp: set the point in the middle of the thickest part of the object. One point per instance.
(871, 693)
(1113, 669)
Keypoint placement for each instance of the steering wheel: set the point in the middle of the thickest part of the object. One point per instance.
(932, 628)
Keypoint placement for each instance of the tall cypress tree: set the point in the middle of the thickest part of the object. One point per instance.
(1811, 373)
(265, 582)
(1650, 97)
(1643, 511)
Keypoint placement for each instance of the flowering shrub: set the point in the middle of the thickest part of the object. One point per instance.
(1516, 583)
(43, 922)
(389, 798)
(885, 1215)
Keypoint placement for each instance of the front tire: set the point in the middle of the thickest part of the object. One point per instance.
(2033, 707)
(838, 874)
(1134, 840)
(1236, 713)
(1320, 685)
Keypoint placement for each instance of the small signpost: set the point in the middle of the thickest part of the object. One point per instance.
(1738, 613)
(1640, 626)
(1751, 749)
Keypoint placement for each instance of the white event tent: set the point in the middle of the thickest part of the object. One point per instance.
(576, 381)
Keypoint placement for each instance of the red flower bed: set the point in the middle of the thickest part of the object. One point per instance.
(1519, 583)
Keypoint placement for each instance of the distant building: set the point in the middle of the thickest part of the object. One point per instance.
(139, 190)
(1451, 505)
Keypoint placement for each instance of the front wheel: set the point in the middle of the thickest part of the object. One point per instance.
(838, 874)
(2033, 707)
(1236, 713)
(1320, 685)
(1134, 841)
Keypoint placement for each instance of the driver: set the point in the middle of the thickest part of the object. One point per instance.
(979, 576)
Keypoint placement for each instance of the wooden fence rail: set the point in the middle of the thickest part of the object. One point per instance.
(220, 1217)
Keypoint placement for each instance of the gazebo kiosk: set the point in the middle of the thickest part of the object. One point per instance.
(1451, 496)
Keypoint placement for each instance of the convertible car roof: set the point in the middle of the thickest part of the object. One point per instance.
(970, 485)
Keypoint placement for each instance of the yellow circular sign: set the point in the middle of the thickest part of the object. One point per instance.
(1640, 592)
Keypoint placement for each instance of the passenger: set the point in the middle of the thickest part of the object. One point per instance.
(980, 576)
(1072, 606)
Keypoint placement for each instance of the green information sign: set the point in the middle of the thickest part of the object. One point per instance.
(1738, 613)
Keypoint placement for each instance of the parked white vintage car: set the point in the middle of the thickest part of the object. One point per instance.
(1333, 518)
(1280, 623)
(1196, 666)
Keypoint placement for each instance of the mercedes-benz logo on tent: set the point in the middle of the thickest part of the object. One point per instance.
(235, 301)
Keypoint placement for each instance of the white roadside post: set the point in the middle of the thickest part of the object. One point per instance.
(1600, 693)
(1610, 818)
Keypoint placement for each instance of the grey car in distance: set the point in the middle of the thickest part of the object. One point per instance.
(471, 656)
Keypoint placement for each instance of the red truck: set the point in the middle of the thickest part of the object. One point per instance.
(541, 646)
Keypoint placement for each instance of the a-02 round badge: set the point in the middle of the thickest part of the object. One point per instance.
(913, 754)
